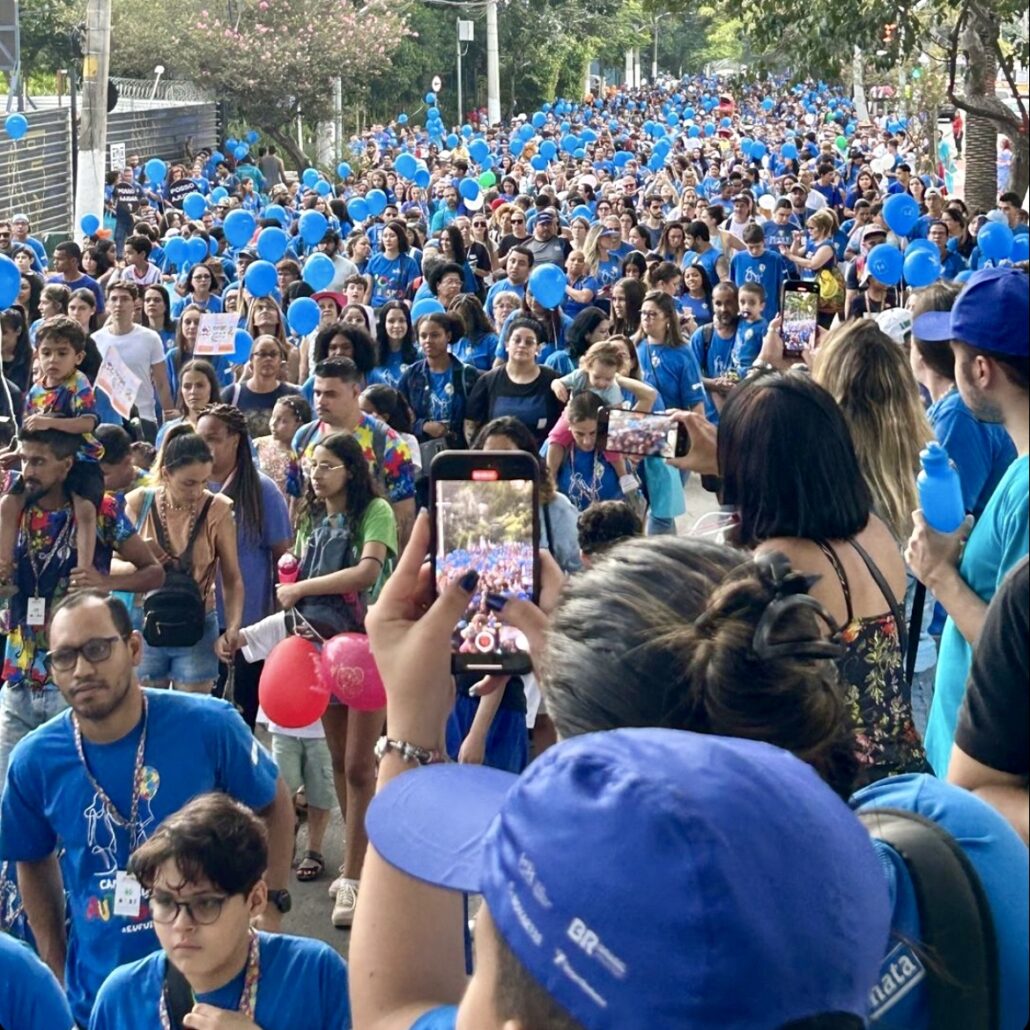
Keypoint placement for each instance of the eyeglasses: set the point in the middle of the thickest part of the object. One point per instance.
(323, 468)
(651, 314)
(479, 225)
(203, 910)
(266, 354)
(95, 651)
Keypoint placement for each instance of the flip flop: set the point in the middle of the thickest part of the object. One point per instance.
(312, 867)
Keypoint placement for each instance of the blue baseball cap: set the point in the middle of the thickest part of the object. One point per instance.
(992, 313)
(650, 877)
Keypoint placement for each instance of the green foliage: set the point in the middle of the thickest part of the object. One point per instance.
(45, 27)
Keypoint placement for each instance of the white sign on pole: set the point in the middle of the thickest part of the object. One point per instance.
(216, 334)
(117, 157)
(437, 83)
(118, 381)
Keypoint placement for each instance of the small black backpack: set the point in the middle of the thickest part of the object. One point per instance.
(174, 613)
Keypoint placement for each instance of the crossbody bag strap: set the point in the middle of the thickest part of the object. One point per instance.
(914, 628)
(186, 558)
(892, 602)
(178, 996)
(546, 510)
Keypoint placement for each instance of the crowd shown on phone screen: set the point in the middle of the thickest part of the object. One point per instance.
(764, 768)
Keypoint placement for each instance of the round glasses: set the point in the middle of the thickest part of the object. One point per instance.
(96, 650)
(203, 910)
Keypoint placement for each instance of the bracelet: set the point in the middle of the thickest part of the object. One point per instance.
(758, 366)
(408, 752)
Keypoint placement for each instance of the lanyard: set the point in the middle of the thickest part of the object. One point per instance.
(131, 824)
(59, 549)
(248, 1000)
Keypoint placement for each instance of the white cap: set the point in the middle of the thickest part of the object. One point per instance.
(896, 323)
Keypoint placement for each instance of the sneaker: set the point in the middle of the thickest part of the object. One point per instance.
(346, 902)
(337, 883)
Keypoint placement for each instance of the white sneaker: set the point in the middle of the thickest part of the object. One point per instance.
(337, 883)
(345, 904)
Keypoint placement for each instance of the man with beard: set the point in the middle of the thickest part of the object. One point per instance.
(988, 328)
(45, 568)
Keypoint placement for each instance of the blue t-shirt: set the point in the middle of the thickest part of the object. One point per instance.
(194, 744)
(707, 261)
(391, 277)
(748, 344)
(303, 982)
(585, 282)
(768, 271)
(586, 477)
(503, 286)
(700, 308)
(1000, 860)
(388, 374)
(981, 451)
(30, 996)
(674, 372)
(609, 272)
(999, 539)
(478, 353)
(213, 305)
(443, 1018)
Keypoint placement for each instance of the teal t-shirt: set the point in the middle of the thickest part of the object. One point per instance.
(999, 539)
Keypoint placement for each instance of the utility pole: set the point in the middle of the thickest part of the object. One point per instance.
(461, 103)
(92, 141)
(493, 66)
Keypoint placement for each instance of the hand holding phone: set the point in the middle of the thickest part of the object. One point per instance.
(799, 305)
(646, 434)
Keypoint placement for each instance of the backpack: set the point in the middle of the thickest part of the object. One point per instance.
(379, 438)
(174, 613)
(958, 937)
(832, 290)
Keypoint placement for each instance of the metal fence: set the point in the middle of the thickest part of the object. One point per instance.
(166, 90)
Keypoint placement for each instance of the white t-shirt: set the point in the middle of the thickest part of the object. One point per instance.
(141, 349)
(345, 268)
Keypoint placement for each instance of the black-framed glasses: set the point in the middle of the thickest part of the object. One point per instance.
(518, 221)
(203, 910)
(95, 650)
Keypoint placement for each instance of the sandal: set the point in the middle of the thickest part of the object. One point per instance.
(312, 867)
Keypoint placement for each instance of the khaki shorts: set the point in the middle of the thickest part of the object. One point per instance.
(305, 762)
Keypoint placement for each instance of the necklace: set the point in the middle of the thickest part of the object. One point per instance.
(248, 999)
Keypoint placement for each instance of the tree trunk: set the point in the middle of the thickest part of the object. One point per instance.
(981, 136)
(289, 144)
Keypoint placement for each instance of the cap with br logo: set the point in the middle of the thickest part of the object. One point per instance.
(657, 878)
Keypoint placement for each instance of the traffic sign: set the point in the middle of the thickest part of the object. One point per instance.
(437, 83)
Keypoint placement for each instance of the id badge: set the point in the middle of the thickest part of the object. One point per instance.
(127, 894)
(36, 614)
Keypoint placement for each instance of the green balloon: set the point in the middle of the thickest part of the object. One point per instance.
(487, 179)
(842, 143)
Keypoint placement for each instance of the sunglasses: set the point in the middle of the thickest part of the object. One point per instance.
(518, 221)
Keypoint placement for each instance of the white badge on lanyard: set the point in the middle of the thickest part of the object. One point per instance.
(36, 614)
(127, 894)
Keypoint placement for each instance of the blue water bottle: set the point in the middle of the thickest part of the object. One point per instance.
(940, 492)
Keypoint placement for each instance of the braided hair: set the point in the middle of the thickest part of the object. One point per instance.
(244, 487)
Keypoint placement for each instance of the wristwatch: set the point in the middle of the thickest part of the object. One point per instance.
(281, 899)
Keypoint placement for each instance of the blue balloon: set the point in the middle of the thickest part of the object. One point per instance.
(922, 267)
(252, 136)
(583, 212)
(466, 131)
(789, 152)
(516, 146)
(430, 99)
(16, 125)
(900, 212)
(538, 162)
(672, 118)
(194, 204)
(622, 158)
(357, 209)
(479, 150)
(196, 250)
(539, 119)
(155, 170)
(219, 193)
(376, 201)
(302, 316)
(885, 263)
(526, 132)
(402, 119)
(579, 153)
(241, 152)
(768, 104)
(569, 144)
(709, 128)
(688, 113)
(758, 150)
(175, 251)
(655, 162)
(271, 244)
(319, 271)
(406, 166)
(425, 306)
(89, 224)
(218, 157)
(469, 189)
(726, 122)
(239, 226)
(422, 178)
(10, 281)
(278, 212)
(548, 283)
(694, 131)
(588, 136)
(212, 247)
(964, 275)
(323, 188)
(343, 170)
(995, 241)
(313, 226)
(745, 146)
(914, 245)
(452, 140)
(1020, 248)
(244, 342)
(260, 278)
(548, 151)
(309, 177)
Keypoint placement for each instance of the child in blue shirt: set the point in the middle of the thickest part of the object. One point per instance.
(751, 301)
(759, 264)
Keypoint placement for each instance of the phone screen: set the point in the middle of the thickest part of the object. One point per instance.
(633, 432)
(487, 524)
(799, 320)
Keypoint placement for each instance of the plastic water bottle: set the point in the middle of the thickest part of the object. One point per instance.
(289, 569)
(940, 492)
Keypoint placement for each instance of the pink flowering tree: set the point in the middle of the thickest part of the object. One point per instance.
(275, 59)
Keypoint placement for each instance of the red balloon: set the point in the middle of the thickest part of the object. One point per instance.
(290, 689)
(350, 672)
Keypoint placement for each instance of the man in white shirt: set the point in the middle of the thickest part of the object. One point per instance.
(345, 268)
(141, 349)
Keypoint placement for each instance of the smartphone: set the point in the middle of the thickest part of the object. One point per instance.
(800, 306)
(485, 516)
(646, 434)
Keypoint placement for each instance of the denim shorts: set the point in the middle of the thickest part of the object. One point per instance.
(305, 761)
(22, 709)
(184, 666)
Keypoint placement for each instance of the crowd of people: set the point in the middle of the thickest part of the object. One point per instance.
(219, 410)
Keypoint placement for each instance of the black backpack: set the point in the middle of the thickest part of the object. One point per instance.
(174, 613)
(958, 939)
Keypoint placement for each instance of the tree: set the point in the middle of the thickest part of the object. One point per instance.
(975, 39)
(276, 59)
(45, 27)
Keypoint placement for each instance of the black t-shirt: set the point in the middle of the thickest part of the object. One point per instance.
(533, 404)
(509, 241)
(994, 721)
(256, 407)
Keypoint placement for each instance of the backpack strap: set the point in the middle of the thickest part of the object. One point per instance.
(148, 503)
(892, 602)
(914, 627)
(379, 437)
(957, 927)
(307, 435)
(546, 511)
(236, 390)
(178, 996)
(707, 332)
